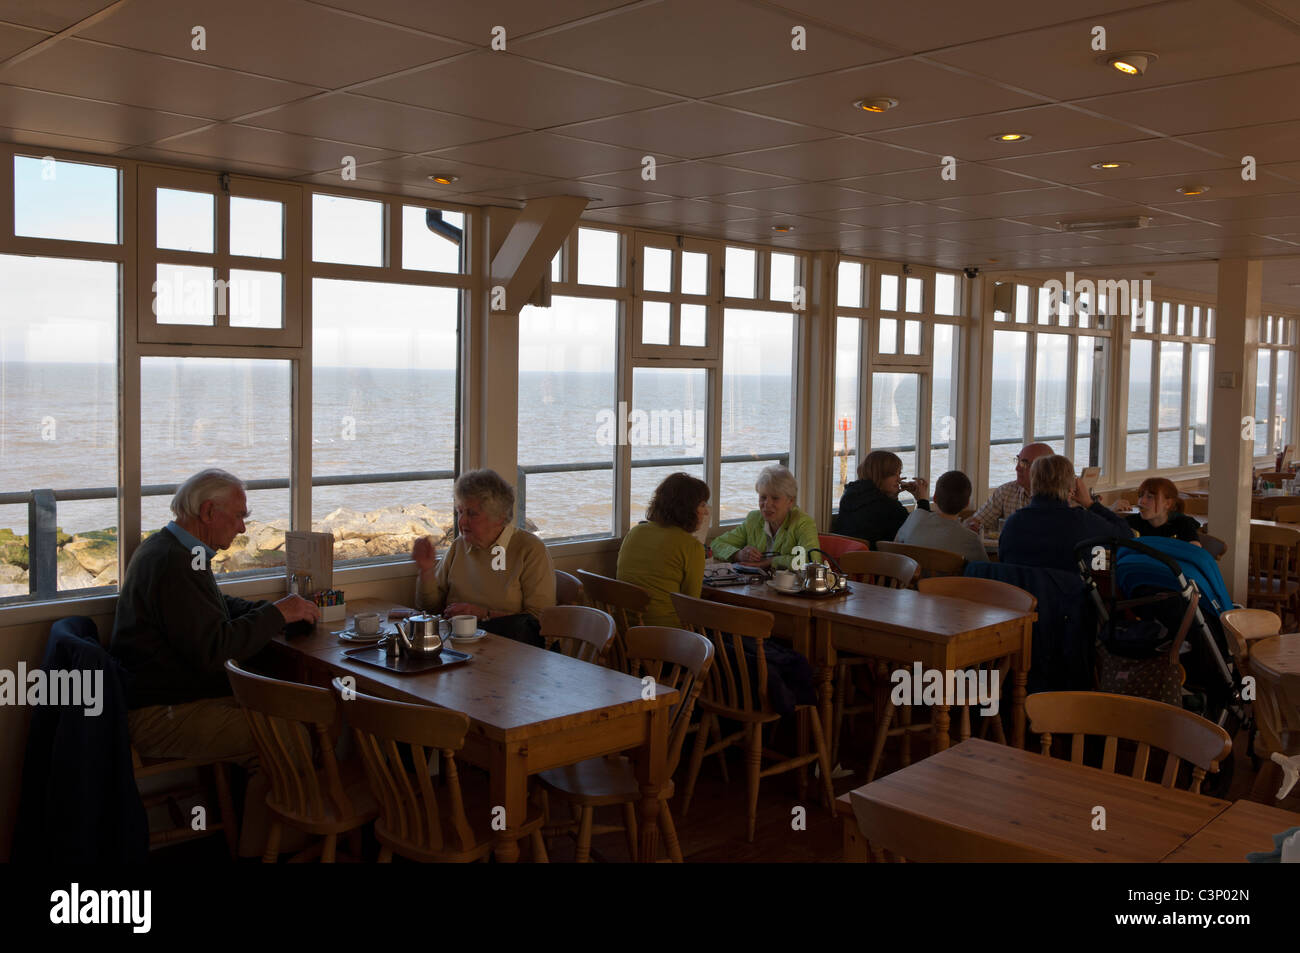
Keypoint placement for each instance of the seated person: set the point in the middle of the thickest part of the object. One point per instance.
(174, 630)
(1009, 497)
(1045, 532)
(940, 527)
(769, 534)
(1160, 512)
(662, 555)
(495, 571)
(869, 508)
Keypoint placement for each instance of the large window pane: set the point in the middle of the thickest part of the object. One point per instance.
(666, 422)
(1199, 406)
(1263, 373)
(58, 416)
(894, 417)
(598, 256)
(1051, 385)
(757, 387)
(219, 412)
(1089, 401)
(256, 227)
(71, 201)
(781, 287)
(943, 407)
(347, 231)
(433, 240)
(567, 415)
(849, 284)
(848, 336)
(383, 401)
(741, 265)
(1282, 401)
(1007, 416)
(186, 220)
(1171, 404)
(1137, 456)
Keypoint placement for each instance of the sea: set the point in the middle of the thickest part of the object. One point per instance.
(58, 431)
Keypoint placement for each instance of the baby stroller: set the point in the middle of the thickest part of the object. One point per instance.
(1158, 602)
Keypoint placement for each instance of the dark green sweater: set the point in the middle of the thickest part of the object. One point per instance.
(174, 629)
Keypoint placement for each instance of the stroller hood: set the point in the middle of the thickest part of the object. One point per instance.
(1134, 568)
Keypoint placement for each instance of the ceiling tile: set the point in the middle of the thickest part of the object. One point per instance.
(1195, 39)
(15, 39)
(95, 71)
(84, 119)
(690, 212)
(698, 49)
(1163, 189)
(896, 216)
(691, 130)
(601, 196)
(801, 199)
(505, 88)
(926, 93)
(546, 154)
(415, 171)
(1060, 201)
(831, 159)
(471, 20)
(1148, 157)
(921, 184)
(692, 179)
(1052, 129)
(168, 157)
(288, 39)
(991, 228)
(51, 141)
(379, 123)
(1230, 209)
(52, 15)
(1270, 142)
(228, 142)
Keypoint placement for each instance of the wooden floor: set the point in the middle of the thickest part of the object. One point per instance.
(715, 829)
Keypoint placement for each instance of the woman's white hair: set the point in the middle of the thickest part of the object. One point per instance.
(198, 489)
(777, 479)
(486, 488)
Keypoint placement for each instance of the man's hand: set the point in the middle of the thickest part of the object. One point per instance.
(298, 609)
(919, 488)
(748, 555)
(425, 556)
(1122, 505)
(974, 525)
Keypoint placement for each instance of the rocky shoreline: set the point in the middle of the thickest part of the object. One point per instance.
(89, 559)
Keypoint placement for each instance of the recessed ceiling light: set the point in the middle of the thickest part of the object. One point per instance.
(1133, 63)
(443, 178)
(877, 105)
(783, 228)
(1106, 166)
(993, 260)
(1011, 137)
(1193, 189)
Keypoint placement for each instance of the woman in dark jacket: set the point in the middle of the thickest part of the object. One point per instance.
(1045, 532)
(869, 508)
(1160, 512)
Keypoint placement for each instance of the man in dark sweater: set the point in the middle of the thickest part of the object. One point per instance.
(175, 629)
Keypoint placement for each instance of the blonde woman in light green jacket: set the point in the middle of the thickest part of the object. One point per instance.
(777, 526)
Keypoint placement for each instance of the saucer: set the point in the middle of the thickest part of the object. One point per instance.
(478, 634)
(352, 635)
(792, 591)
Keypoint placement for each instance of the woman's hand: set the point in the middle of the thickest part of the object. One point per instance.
(919, 488)
(749, 555)
(464, 608)
(1122, 505)
(425, 556)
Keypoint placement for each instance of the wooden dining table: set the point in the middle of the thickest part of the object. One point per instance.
(529, 710)
(1244, 828)
(983, 801)
(897, 625)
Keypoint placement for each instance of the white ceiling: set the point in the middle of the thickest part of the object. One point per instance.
(746, 132)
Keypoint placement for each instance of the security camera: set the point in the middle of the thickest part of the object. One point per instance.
(971, 272)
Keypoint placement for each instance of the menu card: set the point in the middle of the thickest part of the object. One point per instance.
(310, 554)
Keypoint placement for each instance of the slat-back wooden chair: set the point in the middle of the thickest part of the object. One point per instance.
(1196, 506)
(581, 632)
(734, 693)
(625, 601)
(989, 592)
(1183, 735)
(418, 819)
(835, 546)
(1275, 722)
(676, 659)
(893, 571)
(181, 829)
(1274, 575)
(568, 590)
(294, 727)
(930, 561)
(1287, 514)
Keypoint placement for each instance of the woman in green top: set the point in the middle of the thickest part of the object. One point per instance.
(663, 555)
(777, 526)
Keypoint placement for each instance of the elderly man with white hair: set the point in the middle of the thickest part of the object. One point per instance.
(175, 629)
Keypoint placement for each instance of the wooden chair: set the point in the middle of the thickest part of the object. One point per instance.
(1212, 545)
(568, 590)
(285, 719)
(417, 819)
(932, 562)
(1197, 506)
(1274, 576)
(581, 632)
(1274, 477)
(731, 693)
(893, 571)
(625, 601)
(1182, 734)
(1287, 514)
(1243, 627)
(677, 659)
(181, 829)
(835, 546)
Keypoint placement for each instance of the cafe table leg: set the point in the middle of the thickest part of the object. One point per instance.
(823, 659)
(941, 725)
(1019, 677)
(651, 760)
(509, 791)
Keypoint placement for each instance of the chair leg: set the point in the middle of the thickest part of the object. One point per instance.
(963, 728)
(329, 848)
(722, 752)
(272, 852)
(819, 740)
(697, 759)
(905, 742)
(882, 733)
(226, 804)
(837, 728)
(801, 776)
(630, 829)
(584, 835)
(753, 764)
(669, 831)
(539, 847)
